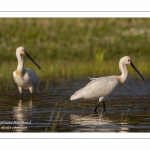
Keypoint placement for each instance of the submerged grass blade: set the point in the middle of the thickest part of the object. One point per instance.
(128, 111)
(55, 122)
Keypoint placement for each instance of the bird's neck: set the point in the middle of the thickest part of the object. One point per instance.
(20, 67)
(123, 68)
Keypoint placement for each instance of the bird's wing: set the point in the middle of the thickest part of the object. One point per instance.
(33, 76)
(100, 87)
(92, 78)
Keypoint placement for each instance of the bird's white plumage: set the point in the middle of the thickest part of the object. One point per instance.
(25, 78)
(29, 79)
(98, 87)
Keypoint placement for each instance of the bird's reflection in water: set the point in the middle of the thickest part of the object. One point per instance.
(94, 123)
(22, 115)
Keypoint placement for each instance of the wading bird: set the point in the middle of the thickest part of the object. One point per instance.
(24, 77)
(101, 88)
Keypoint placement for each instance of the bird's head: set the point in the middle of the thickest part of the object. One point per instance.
(127, 60)
(21, 51)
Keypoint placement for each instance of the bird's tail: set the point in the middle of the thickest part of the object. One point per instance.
(72, 98)
(76, 96)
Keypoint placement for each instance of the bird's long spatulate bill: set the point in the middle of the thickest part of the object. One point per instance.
(131, 63)
(32, 60)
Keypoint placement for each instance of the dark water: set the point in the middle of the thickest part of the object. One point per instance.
(128, 109)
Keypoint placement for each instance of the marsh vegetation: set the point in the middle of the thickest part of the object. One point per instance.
(68, 51)
(74, 47)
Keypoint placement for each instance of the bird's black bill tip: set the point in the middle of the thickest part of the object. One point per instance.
(39, 67)
(145, 82)
(32, 60)
(131, 63)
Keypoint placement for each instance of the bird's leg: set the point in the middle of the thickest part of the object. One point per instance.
(21, 96)
(21, 91)
(101, 99)
(95, 110)
(31, 91)
(104, 108)
(31, 96)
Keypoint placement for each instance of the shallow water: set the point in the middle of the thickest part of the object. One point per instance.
(128, 109)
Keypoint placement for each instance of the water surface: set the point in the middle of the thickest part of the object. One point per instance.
(128, 109)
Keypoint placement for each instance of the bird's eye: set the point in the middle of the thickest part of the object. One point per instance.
(22, 49)
(128, 59)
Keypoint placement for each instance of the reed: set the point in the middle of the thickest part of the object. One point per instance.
(74, 47)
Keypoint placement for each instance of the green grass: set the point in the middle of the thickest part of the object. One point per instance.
(75, 47)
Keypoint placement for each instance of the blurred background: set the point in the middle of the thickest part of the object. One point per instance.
(74, 47)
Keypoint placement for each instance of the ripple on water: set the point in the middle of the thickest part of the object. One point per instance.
(51, 110)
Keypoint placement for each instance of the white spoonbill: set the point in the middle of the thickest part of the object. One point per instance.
(101, 88)
(24, 77)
